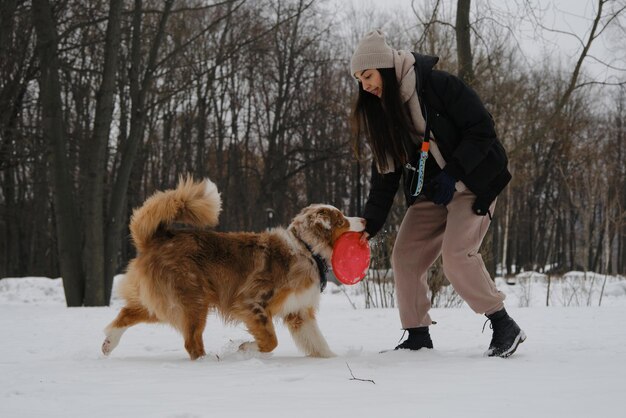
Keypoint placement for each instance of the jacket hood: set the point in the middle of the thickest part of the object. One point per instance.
(423, 66)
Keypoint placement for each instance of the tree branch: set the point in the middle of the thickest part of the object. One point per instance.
(356, 378)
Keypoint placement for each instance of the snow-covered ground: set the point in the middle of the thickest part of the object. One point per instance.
(572, 365)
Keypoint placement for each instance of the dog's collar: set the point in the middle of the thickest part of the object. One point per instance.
(322, 267)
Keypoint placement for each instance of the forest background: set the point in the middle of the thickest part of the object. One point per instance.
(104, 102)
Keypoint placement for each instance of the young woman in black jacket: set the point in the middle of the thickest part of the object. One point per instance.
(430, 129)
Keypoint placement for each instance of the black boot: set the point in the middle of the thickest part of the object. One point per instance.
(507, 335)
(418, 338)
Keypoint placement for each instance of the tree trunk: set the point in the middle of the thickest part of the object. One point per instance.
(53, 128)
(94, 250)
(463, 42)
(139, 90)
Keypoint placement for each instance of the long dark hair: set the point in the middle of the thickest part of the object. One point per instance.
(385, 122)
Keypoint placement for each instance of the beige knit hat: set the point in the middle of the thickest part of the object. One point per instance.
(372, 52)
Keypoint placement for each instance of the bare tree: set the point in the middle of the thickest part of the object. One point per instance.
(463, 41)
(140, 84)
(54, 132)
(94, 194)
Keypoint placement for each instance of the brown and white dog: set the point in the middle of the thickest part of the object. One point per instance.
(184, 270)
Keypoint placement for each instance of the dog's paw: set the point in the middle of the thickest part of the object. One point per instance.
(107, 346)
(249, 346)
(323, 354)
(328, 354)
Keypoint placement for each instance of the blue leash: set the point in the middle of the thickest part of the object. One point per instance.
(421, 168)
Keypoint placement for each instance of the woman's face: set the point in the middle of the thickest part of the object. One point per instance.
(372, 81)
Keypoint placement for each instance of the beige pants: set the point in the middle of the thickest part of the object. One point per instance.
(456, 232)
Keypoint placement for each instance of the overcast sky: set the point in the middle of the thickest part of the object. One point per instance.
(573, 16)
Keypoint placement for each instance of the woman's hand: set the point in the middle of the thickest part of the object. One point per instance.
(444, 188)
(364, 237)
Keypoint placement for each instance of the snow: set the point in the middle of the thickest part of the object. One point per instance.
(572, 364)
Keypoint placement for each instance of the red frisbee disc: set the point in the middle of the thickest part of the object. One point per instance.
(351, 258)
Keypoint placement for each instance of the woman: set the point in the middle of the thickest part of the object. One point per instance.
(404, 104)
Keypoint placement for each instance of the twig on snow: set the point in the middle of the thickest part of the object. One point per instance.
(356, 378)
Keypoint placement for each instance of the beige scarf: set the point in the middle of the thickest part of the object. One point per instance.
(405, 73)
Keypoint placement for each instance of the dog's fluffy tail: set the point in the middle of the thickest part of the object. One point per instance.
(191, 203)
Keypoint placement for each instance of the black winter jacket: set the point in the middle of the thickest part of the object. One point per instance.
(465, 134)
